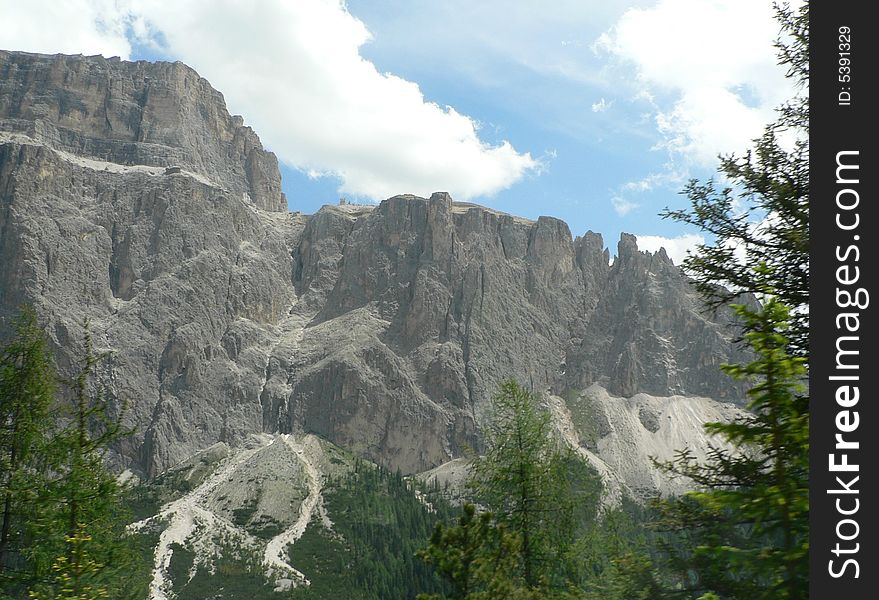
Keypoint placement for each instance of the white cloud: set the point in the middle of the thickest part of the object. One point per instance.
(70, 27)
(716, 59)
(671, 176)
(623, 206)
(601, 106)
(294, 70)
(709, 121)
(675, 247)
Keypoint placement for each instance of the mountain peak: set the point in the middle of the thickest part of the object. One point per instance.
(136, 114)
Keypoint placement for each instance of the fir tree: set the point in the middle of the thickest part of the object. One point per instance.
(745, 532)
(479, 558)
(747, 525)
(80, 542)
(514, 476)
(72, 573)
(27, 389)
(531, 485)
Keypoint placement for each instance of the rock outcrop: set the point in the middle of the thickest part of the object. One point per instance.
(384, 329)
(141, 113)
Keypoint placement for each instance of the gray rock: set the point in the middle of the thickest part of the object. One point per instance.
(136, 113)
(384, 329)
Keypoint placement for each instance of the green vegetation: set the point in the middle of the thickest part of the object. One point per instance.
(63, 529)
(590, 422)
(533, 487)
(479, 557)
(536, 531)
(540, 498)
(325, 557)
(743, 533)
(180, 480)
(616, 557)
(180, 565)
(235, 575)
(143, 501)
(80, 522)
(378, 525)
(265, 527)
(748, 523)
(27, 390)
(368, 552)
(241, 516)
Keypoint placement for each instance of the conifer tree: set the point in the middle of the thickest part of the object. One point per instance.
(72, 573)
(744, 533)
(479, 557)
(528, 482)
(513, 477)
(747, 523)
(82, 549)
(27, 389)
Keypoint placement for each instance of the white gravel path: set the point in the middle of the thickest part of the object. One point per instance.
(308, 451)
(186, 513)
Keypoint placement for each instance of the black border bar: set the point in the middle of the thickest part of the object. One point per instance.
(844, 230)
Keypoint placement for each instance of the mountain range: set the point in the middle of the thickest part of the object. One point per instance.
(242, 330)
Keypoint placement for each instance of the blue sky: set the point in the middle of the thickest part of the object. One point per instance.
(595, 112)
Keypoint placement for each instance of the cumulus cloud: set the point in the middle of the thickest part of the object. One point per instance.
(71, 27)
(295, 71)
(675, 247)
(716, 59)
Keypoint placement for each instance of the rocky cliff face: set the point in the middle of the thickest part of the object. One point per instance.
(384, 329)
(150, 114)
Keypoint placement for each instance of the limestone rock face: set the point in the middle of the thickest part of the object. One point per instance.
(650, 332)
(156, 114)
(384, 329)
(181, 280)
